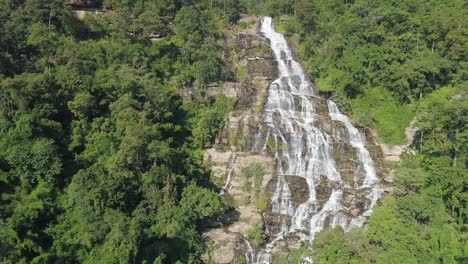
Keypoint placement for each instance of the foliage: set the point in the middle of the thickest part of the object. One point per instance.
(377, 59)
(256, 236)
(377, 108)
(253, 178)
(99, 157)
(411, 227)
(425, 220)
(334, 246)
(209, 120)
(389, 64)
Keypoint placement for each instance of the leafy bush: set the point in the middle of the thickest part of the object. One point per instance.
(256, 236)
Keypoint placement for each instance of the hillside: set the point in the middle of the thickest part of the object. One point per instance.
(182, 131)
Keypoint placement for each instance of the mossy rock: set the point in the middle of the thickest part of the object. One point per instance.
(344, 153)
(241, 73)
(299, 189)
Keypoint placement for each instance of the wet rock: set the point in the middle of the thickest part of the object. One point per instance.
(323, 193)
(349, 197)
(273, 222)
(250, 59)
(355, 211)
(299, 189)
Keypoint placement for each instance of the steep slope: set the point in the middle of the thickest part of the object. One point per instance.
(289, 161)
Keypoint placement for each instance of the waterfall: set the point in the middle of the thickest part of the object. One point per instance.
(357, 140)
(291, 131)
(231, 166)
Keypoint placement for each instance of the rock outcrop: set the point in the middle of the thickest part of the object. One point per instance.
(85, 3)
(249, 179)
(250, 58)
(391, 154)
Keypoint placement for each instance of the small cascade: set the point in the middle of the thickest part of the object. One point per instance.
(250, 253)
(358, 141)
(292, 131)
(231, 167)
(281, 200)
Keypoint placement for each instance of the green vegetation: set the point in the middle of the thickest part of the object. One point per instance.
(378, 109)
(256, 236)
(425, 221)
(413, 226)
(378, 59)
(100, 159)
(387, 63)
(253, 179)
(335, 246)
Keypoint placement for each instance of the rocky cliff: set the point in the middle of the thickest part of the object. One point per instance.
(248, 178)
(249, 55)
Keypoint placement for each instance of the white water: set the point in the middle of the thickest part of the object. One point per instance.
(357, 140)
(290, 132)
(231, 166)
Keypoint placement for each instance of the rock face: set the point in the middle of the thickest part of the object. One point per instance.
(245, 181)
(85, 3)
(391, 154)
(82, 8)
(248, 175)
(251, 60)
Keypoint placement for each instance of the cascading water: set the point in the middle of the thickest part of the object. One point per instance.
(290, 131)
(357, 140)
(231, 167)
